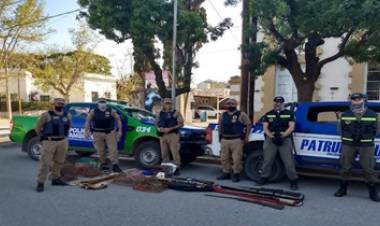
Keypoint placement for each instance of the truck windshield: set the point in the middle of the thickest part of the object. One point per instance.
(140, 114)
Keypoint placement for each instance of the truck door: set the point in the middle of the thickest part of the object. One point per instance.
(79, 114)
(316, 139)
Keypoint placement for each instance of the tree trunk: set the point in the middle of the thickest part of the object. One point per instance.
(305, 91)
(66, 96)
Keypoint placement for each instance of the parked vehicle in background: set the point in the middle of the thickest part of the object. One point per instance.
(210, 111)
(317, 145)
(139, 135)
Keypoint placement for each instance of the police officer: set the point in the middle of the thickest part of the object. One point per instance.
(278, 128)
(101, 122)
(168, 122)
(234, 127)
(358, 127)
(53, 127)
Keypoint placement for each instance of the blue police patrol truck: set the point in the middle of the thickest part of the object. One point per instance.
(317, 144)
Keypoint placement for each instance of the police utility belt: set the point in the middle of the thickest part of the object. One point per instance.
(232, 137)
(106, 131)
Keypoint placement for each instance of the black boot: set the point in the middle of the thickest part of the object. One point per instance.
(104, 167)
(224, 176)
(58, 182)
(262, 181)
(342, 191)
(294, 185)
(116, 168)
(177, 172)
(40, 187)
(235, 177)
(373, 193)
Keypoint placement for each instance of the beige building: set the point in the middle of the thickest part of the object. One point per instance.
(88, 88)
(337, 80)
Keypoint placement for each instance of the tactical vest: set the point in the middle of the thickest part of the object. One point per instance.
(57, 125)
(168, 120)
(103, 121)
(279, 121)
(359, 131)
(232, 127)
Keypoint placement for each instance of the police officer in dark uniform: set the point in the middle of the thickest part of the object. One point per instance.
(358, 127)
(101, 122)
(53, 128)
(278, 128)
(168, 122)
(234, 128)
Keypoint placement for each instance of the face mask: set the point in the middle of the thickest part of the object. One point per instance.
(357, 107)
(278, 106)
(232, 108)
(58, 108)
(102, 106)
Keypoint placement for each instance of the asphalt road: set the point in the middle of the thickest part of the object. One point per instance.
(20, 205)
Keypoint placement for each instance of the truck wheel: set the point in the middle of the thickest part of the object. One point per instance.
(253, 165)
(84, 153)
(34, 148)
(187, 159)
(148, 154)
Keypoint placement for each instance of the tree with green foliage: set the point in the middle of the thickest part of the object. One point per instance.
(149, 22)
(62, 70)
(20, 23)
(128, 88)
(295, 29)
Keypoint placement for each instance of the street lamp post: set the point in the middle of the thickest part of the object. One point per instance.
(174, 53)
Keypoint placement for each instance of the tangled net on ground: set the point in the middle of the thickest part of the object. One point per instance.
(71, 171)
(133, 178)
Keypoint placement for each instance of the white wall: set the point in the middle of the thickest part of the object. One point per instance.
(334, 74)
(100, 86)
(80, 92)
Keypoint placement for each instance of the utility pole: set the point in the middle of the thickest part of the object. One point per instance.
(174, 53)
(252, 76)
(244, 78)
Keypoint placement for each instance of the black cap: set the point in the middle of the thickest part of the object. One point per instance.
(279, 99)
(357, 96)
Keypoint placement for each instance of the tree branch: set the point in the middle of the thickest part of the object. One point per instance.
(276, 33)
(283, 61)
(339, 54)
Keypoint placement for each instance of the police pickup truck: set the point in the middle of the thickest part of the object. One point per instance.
(317, 145)
(139, 135)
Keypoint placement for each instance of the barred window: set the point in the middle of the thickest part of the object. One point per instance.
(373, 81)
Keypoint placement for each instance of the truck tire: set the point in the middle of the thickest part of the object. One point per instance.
(34, 148)
(84, 153)
(253, 164)
(187, 159)
(148, 154)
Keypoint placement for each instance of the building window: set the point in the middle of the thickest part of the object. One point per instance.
(45, 98)
(373, 81)
(94, 96)
(285, 85)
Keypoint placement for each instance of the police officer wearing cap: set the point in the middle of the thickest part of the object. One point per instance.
(101, 122)
(53, 127)
(168, 123)
(234, 127)
(358, 127)
(278, 128)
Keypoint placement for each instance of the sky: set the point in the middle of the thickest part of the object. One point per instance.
(217, 60)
